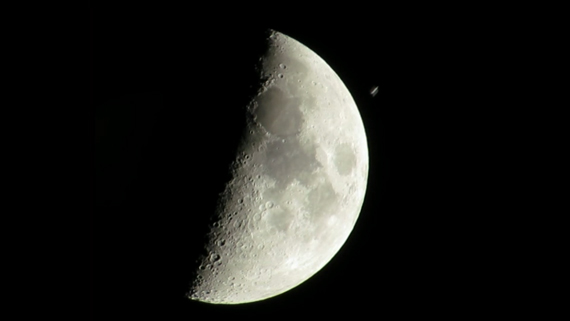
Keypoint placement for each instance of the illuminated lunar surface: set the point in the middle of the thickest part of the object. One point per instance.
(298, 181)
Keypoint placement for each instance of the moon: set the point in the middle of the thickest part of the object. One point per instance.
(297, 184)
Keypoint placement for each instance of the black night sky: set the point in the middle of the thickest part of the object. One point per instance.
(164, 85)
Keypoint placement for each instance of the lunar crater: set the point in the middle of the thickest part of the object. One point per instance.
(279, 219)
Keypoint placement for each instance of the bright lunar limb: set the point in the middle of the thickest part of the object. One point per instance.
(297, 186)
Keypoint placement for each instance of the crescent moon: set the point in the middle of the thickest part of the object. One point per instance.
(297, 186)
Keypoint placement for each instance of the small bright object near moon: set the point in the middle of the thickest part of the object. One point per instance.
(374, 91)
(297, 186)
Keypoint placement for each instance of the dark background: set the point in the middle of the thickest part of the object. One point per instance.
(165, 85)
